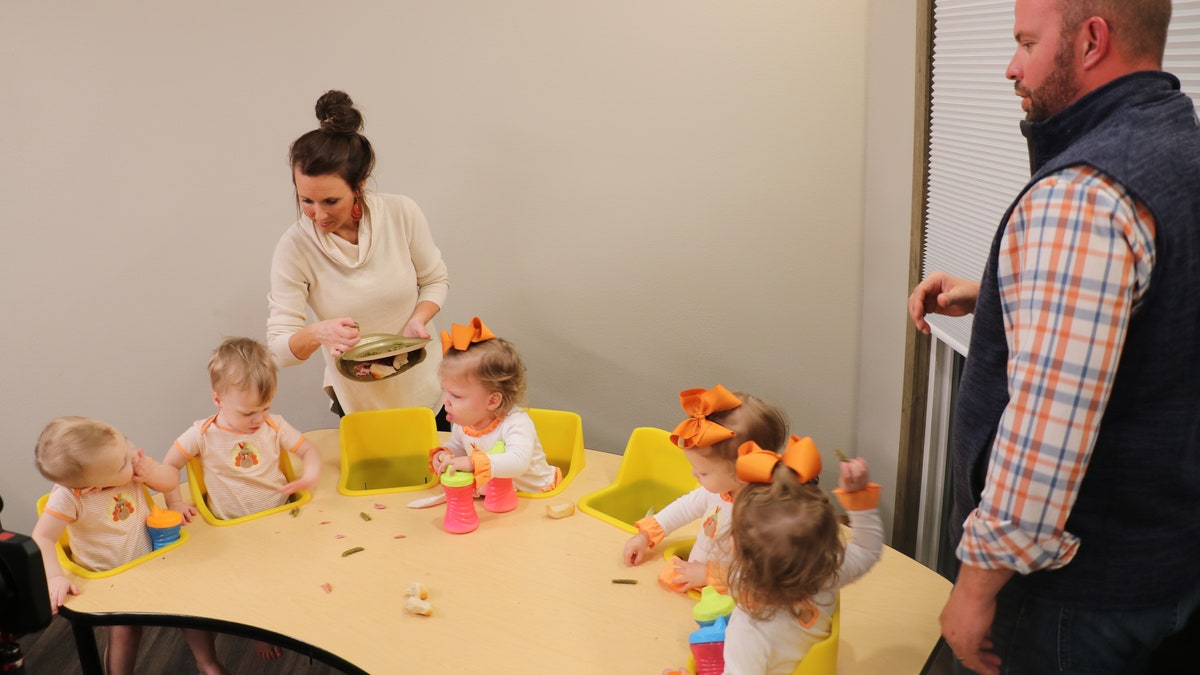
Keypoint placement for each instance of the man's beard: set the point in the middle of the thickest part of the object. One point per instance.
(1060, 89)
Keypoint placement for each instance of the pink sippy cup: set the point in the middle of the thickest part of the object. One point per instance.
(499, 495)
(708, 647)
(460, 501)
(708, 642)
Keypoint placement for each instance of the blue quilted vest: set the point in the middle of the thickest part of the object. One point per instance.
(1138, 510)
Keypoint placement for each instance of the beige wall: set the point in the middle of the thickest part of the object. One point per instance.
(891, 83)
(643, 196)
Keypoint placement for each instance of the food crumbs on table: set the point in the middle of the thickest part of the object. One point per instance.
(380, 507)
(400, 536)
(327, 588)
(352, 551)
(625, 581)
(363, 515)
(339, 536)
(326, 522)
(295, 511)
(417, 606)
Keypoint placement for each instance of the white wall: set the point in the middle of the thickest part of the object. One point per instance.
(891, 82)
(643, 196)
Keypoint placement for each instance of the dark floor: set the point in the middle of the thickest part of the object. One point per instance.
(163, 650)
(943, 661)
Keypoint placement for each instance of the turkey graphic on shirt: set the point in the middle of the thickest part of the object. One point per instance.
(123, 507)
(710, 522)
(245, 455)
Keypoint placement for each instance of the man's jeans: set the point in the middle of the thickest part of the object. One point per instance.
(1034, 636)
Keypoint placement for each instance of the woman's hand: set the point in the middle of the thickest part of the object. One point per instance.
(336, 335)
(421, 316)
(415, 328)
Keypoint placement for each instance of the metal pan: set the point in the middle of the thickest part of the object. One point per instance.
(379, 356)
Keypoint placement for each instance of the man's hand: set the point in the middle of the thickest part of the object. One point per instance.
(940, 293)
(967, 617)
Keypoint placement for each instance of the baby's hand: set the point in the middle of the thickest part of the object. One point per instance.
(188, 511)
(636, 549)
(854, 476)
(141, 466)
(439, 460)
(300, 483)
(694, 574)
(60, 587)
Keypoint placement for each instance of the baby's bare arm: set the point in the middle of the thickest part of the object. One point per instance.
(45, 534)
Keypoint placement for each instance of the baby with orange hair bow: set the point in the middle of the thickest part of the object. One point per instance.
(483, 379)
(718, 422)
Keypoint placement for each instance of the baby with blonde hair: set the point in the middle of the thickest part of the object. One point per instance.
(99, 499)
(491, 435)
(719, 422)
(239, 449)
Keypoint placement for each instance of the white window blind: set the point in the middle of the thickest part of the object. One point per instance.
(977, 156)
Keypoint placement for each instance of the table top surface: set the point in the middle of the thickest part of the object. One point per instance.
(523, 593)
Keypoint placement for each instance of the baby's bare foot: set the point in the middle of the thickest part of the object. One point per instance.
(267, 651)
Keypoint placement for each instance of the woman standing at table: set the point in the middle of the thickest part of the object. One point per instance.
(364, 262)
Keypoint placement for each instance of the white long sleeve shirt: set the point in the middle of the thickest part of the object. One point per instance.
(377, 282)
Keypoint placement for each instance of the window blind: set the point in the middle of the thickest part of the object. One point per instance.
(977, 156)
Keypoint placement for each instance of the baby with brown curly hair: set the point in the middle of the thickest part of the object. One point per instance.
(789, 559)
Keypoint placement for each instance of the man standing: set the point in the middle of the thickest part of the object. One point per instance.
(1076, 458)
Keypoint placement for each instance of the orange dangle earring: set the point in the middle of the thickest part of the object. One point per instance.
(356, 210)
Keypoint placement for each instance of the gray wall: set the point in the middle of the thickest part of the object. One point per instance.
(643, 196)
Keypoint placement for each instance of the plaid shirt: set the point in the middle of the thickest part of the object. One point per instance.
(1074, 263)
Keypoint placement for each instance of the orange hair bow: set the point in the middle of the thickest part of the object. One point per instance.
(461, 337)
(755, 465)
(697, 431)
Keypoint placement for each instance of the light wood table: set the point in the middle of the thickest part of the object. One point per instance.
(523, 593)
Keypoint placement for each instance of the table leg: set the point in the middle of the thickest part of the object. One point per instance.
(85, 645)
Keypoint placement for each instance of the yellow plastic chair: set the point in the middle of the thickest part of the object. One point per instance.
(821, 659)
(561, 435)
(652, 474)
(386, 451)
(63, 548)
(199, 493)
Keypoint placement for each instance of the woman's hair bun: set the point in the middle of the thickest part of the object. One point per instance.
(337, 114)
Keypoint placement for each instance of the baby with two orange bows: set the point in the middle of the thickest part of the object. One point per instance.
(719, 422)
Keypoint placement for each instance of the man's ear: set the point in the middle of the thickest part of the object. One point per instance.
(1096, 38)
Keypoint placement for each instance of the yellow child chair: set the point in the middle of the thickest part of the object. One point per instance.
(63, 548)
(653, 473)
(561, 435)
(385, 451)
(199, 493)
